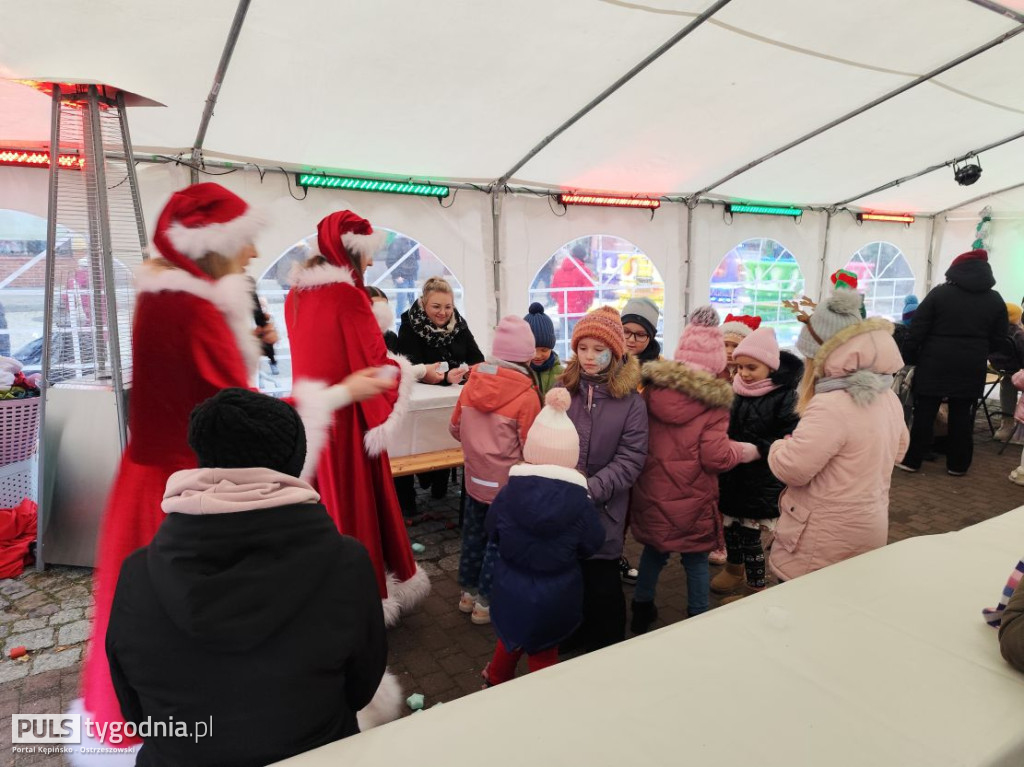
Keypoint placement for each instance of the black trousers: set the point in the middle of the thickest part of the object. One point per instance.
(960, 443)
(604, 605)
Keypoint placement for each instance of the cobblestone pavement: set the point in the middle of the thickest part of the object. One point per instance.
(436, 651)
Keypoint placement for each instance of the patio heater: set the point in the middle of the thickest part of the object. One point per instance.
(86, 363)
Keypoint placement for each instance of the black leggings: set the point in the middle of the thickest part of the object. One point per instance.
(743, 546)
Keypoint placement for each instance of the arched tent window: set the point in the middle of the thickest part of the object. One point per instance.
(399, 269)
(884, 277)
(22, 297)
(755, 278)
(590, 271)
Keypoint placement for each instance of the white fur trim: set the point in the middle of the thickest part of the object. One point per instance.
(364, 244)
(404, 595)
(316, 402)
(376, 439)
(386, 705)
(124, 758)
(231, 294)
(303, 278)
(384, 314)
(548, 471)
(226, 239)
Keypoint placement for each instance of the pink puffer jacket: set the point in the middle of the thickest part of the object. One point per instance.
(838, 464)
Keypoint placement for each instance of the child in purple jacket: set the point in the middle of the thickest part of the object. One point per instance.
(612, 423)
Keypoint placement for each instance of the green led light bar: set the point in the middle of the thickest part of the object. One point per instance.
(765, 210)
(370, 185)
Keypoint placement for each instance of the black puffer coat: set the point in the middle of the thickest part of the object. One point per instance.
(751, 491)
(955, 328)
(463, 348)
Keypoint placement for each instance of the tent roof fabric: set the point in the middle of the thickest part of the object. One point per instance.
(462, 90)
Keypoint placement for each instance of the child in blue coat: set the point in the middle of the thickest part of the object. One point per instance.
(544, 523)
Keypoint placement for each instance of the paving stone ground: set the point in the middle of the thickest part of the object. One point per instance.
(436, 651)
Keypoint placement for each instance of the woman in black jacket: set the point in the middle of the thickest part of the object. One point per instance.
(433, 331)
(955, 328)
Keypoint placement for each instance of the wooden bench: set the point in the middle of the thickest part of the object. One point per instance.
(420, 463)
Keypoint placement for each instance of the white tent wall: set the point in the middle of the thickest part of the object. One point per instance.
(531, 233)
(1005, 246)
(25, 190)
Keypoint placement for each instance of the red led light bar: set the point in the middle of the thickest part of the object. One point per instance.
(614, 202)
(892, 218)
(39, 159)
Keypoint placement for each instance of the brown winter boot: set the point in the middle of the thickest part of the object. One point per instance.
(1006, 429)
(746, 591)
(729, 579)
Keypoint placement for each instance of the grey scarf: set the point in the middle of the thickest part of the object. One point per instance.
(864, 386)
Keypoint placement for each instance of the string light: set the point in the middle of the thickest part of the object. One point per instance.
(893, 218)
(614, 202)
(370, 185)
(766, 210)
(28, 159)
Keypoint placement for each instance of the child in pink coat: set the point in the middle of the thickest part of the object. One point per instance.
(838, 464)
(674, 505)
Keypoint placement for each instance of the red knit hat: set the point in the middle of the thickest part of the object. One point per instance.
(971, 255)
(343, 232)
(204, 218)
(604, 325)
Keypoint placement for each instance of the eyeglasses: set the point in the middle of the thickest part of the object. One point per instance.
(631, 336)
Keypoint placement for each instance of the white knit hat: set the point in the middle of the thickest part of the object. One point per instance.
(553, 439)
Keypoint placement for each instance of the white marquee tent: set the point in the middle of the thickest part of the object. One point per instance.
(818, 103)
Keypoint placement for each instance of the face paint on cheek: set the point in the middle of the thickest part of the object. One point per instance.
(604, 359)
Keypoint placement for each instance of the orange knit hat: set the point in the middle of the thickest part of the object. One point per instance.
(605, 325)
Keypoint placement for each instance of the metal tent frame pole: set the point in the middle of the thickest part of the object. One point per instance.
(218, 80)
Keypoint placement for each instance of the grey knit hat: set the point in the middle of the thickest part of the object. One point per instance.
(644, 312)
(840, 310)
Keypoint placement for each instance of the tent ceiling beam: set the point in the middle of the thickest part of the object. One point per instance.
(218, 80)
(662, 49)
(870, 105)
(933, 168)
(981, 197)
(1000, 9)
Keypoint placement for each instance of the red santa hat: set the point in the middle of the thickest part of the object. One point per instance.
(738, 326)
(343, 233)
(201, 219)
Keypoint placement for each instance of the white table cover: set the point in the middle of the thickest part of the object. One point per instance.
(881, 660)
(425, 426)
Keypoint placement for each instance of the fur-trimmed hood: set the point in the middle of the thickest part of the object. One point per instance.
(791, 370)
(868, 345)
(695, 384)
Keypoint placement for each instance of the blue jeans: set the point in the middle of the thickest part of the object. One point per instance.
(698, 578)
(476, 562)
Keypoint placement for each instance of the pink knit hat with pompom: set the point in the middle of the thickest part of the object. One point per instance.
(552, 439)
(701, 346)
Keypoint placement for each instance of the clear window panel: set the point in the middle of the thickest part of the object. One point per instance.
(884, 277)
(755, 278)
(591, 271)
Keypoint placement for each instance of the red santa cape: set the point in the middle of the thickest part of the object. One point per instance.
(333, 332)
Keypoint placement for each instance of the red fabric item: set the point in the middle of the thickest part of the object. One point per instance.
(196, 207)
(752, 322)
(334, 333)
(573, 274)
(183, 352)
(844, 277)
(17, 532)
(502, 667)
(971, 255)
(329, 233)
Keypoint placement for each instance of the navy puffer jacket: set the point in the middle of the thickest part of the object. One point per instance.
(544, 522)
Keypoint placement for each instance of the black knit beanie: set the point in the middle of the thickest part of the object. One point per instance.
(242, 429)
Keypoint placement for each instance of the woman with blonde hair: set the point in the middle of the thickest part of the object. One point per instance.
(838, 463)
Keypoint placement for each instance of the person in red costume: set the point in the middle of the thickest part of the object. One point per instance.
(573, 286)
(193, 335)
(333, 331)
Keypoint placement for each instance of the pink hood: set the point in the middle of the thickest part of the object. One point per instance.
(225, 491)
(874, 351)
